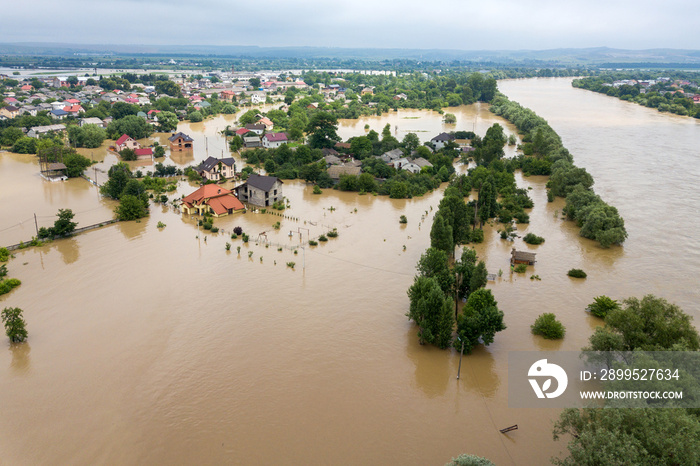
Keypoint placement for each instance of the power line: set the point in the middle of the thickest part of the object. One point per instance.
(363, 265)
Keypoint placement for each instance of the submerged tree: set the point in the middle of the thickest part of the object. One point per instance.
(15, 326)
(431, 310)
(480, 320)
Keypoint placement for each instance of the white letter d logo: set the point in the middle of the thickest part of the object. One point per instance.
(542, 369)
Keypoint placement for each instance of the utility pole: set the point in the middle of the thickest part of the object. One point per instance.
(36, 225)
(461, 353)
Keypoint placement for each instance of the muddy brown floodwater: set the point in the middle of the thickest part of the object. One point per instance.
(157, 346)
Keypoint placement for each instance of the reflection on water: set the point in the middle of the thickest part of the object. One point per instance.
(224, 360)
(21, 362)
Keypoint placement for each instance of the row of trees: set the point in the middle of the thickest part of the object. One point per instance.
(440, 284)
(131, 192)
(597, 220)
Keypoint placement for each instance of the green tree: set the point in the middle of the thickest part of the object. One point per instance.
(24, 145)
(134, 126)
(450, 118)
(601, 305)
(15, 326)
(249, 117)
(441, 235)
(122, 109)
(235, 143)
(195, 117)
(10, 135)
(254, 82)
(480, 320)
(547, 326)
(469, 460)
(130, 208)
(624, 436)
(167, 122)
(119, 175)
(322, 129)
(433, 263)
(649, 324)
(168, 87)
(410, 142)
(431, 310)
(64, 225)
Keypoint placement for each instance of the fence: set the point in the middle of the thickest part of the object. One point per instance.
(22, 245)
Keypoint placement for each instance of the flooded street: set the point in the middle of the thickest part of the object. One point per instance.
(154, 346)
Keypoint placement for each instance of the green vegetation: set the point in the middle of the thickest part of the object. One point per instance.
(160, 225)
(667, 91)
(469, 460)
(317, 189)
(544, 154)
(645, 436)
(15, 326)
(89, 136)
(547, 326)
(431, 310)
(532, 238)
(332, 234)
(322, 238)
(291, 264)
(131, 193)
(134, 126)
(8, 285)
(602, 305)
(64, 226)
(313, 243)
(403, 220)
(520, 268)
(4, 255)
(576, 273)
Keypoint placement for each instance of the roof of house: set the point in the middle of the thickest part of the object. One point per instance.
(150, 112)
(336, 170)
(143, 151)
(242, 131)
(523, 256)
(392, 154)
(57, 112)
(264, 183)
(56, 166)
(421, 162)
(327, 151)
(47, 128)
(123, 139)
(275, 137)
(254, 127)
(443, 137)
(218, 198)
(265, 121)
(212, 162)
(332, 159)
(182, 135)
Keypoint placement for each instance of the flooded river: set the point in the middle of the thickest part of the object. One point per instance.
(160, 347)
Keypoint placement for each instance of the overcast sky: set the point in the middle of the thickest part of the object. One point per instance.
(423, 24)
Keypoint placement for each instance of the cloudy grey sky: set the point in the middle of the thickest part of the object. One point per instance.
(443, 24)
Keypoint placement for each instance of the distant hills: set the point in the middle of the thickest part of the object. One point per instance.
(583, 56)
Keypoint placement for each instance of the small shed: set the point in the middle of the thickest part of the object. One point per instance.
(522, 257)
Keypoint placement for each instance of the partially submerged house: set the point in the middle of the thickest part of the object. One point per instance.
(216, 169)
(260, 190)
(441, 140)
(522, 257)
(335, 171)
(213, 199)
(179, 142)
(126, 142)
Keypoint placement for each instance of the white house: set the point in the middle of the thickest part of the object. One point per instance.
(272, 140)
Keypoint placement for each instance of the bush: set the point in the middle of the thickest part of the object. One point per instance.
(576, 273)
(332, 234)
(207, 226)
(276, 225)
(238, 231)
(234, 236)
(291, 264)
(228, 246)
(214, 229)
(520, 268)
(322, 238)
(477, 235)
(601, 305)
(4, 254)
(8, 285)
(160, 225)
(403, 219)
(15, 326)
(548, 327)
(312, 243)
(3, 270)
(532, 238)
(317, 190)
(245, 238)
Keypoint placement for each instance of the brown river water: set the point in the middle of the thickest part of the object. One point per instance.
(157, 346)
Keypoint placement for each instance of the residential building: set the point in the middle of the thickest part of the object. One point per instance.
(126, 142)
(257, 129)
(334, 171)
(213, 199)
(273, 140)
(9, 111)
(441, 140)
(216, 169)
(91, 121)
(251, 141)
(179, 142)
(260, 190)
(37, 131)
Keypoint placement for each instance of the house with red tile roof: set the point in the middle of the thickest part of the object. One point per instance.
(73, 109)
(27, 88)
(126, 142)
(144, 153)
(213, 199)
